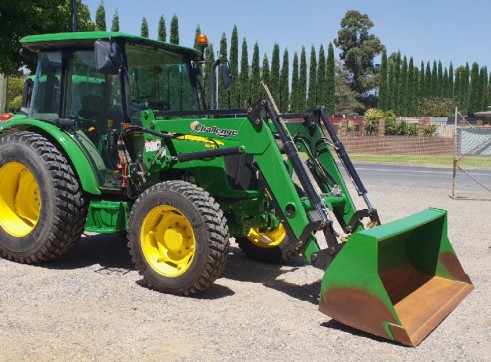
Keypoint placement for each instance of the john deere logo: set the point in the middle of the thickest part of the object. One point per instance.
(196, 127)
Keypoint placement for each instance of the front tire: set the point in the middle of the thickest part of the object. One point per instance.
(42, 207)
(178, 238)
(273, 246)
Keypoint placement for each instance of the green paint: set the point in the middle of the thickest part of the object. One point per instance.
(107, 216)
(83, 168)
(42, 41)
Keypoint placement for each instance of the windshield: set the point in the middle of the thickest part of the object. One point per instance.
(160, 80)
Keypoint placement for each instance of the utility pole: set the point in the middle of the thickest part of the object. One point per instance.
(74, 15)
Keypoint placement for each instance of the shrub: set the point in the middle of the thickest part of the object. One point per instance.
(370, 124)
(430, 130)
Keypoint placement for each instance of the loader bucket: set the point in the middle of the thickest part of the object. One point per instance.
(398, 280)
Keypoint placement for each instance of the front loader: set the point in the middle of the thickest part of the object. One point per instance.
(119, 136)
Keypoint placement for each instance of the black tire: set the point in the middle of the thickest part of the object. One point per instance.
(281, 253)
(285, 251)
(54, 199)
(174, 208)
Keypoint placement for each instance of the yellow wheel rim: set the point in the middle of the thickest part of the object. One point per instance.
(167, 241)
(267, 239)
(20, 199)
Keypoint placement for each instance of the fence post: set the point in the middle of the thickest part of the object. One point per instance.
(421, 128)
(381, 127)
(343, 129)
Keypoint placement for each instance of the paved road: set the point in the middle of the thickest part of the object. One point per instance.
(398, 175)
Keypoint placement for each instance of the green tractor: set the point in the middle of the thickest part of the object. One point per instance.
(117, 135)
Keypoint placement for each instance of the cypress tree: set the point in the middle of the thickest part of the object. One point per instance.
(391, 78)
(475, 89)
(223, 93)
(403, 93)
(174, 30)
(144, 28)
(265, 75)
(284, 83)
(321, 78)
(466, 87)
(451, 85)
(255, 81)
(428, 81)
(457, 87)
(440, 82)
(415, 104)
(162, 33)
(302, 81)
(234, 69)
(210, 58)
(294, 93)
(115, 23)
(489, 90)
(420, 87)
(446, 90)
(100, 17)
(483, 77)
(462, 88)
(274, 87)
(330, 80)
(421, 81)
(434, 81)
(196, 33)
(245, 87)
(312, 95)
(382, 94)
(411, 88)
(397, 83)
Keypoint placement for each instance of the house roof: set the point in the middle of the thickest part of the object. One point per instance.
(483, 114)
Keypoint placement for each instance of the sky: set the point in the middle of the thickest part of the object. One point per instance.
(448, 30)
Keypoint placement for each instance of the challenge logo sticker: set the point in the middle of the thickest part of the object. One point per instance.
(220, 132)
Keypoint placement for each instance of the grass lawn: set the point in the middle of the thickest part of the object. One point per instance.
(415, 160)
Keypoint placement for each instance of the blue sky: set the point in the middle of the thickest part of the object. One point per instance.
(447, 30)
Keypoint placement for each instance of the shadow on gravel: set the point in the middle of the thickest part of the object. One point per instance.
(334, 324)
(214, 292)
(241, 268)
(108, 250)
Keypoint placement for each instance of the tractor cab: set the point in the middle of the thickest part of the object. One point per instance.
(102, 81)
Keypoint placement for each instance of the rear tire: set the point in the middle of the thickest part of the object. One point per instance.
(42, 207)
(178, 238)
(280, 250)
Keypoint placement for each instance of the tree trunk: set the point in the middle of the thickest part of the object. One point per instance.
(3, 93)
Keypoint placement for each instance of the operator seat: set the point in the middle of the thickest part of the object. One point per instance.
(94, 108)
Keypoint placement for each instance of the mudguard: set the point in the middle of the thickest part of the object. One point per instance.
(83, 167)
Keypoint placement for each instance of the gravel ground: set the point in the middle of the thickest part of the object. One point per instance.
(91, 304)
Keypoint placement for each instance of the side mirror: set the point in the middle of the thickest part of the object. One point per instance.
(225, 73)
(107, 57)
(26, 53)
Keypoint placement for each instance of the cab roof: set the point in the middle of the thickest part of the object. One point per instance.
(41, 42)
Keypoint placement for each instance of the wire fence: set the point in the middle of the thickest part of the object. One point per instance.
(472, 163)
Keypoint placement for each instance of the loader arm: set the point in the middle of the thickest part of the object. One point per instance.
(398, 280)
